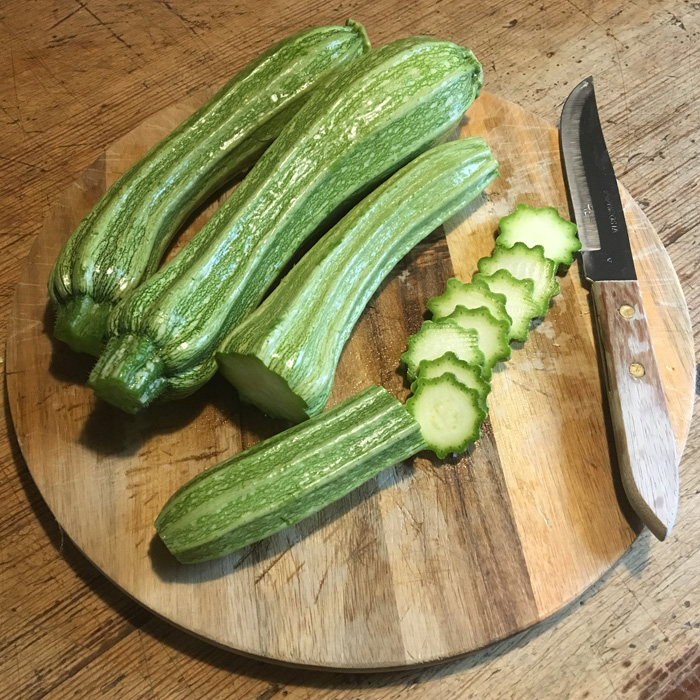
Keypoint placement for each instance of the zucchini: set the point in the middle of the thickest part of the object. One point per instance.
(464, 373)
(519, 303)
(525, 263)
(283, 357)
(121, 241)
(540, 227)
(435, 338)
(374, 116)
(470, 296)
(286, 478)
(449, 414)
(493, 335)
(292, 475)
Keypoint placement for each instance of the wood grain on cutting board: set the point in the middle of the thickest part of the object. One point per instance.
(430, 559)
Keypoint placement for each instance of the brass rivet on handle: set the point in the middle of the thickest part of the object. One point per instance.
(626, 311)
(637, 370)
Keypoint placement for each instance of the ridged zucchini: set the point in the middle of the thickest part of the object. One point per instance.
(282, 358)
(122, 240)
(375, 115)
(286, 478)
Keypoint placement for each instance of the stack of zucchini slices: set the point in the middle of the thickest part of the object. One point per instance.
(451, 358)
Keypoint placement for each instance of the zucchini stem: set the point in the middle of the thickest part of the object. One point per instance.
(81, 322)
(129, 374)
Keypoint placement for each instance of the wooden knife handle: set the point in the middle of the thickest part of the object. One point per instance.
(644, 440)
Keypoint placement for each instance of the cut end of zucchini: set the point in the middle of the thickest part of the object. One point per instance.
(129, 374)
(258, 385)
(449, 414)
(540, 227)
(81, 322)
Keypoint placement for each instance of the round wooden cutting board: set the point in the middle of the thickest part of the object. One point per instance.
(429, 560)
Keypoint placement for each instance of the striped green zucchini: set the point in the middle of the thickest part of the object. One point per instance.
(122, 240)
(373, 117)
(288, 477)
(282, 358)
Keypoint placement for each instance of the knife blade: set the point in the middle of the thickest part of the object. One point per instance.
(644, 440)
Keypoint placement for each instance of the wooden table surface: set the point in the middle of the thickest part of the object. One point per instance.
(77, 74)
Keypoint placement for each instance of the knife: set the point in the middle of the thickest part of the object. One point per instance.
(644, 440)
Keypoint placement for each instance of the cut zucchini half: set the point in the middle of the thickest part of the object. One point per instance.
(470, 296)
(435, 338)
(519, 303)
(540, 227)
(449, 414)
(493, 334)
(464, 372)
(287, 477)
(525, 263)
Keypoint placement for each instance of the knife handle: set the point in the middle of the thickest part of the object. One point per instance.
(644, 439)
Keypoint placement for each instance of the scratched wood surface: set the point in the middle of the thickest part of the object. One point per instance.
(75, 76)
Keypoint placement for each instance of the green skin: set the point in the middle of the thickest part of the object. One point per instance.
(121, 241)
(297, 334)
(288, 477)
(374, 116)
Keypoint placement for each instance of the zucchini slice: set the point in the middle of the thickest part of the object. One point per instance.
(540, 227)
(525, 263)
(471, 296)
(519, 303)
(449, 414)
(435, 338)
(493, 335)
(464, 373)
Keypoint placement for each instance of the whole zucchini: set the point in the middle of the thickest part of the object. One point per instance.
(375, 115)
(282, 358)
(288, 477)
(122, 240)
